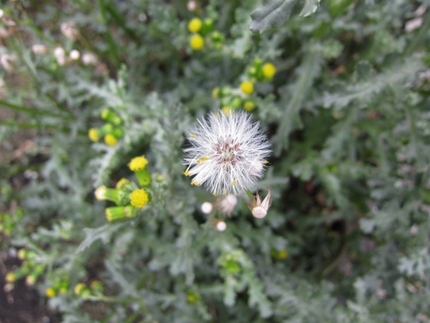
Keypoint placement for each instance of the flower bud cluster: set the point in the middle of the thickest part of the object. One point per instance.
(83, 290)
(128, 196)
(243, 97)
(30, 268)
(111, 131)
(60, 285)
(203, 32)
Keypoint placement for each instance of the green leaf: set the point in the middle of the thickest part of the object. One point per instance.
(308, 71)
(273, 13)
(101, 233)
(366, 88)
(309, 8)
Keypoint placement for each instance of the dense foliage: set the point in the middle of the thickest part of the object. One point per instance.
(341, 87)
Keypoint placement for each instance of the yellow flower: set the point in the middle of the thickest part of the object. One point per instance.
(282, 254)
(195, 25)
(50, 292)
(10, 277)
(138, 163)
(110, 140)
(139, 198)
(93, 134)
(197, 42)
(269, 70)
(191, 298)
(247, 87)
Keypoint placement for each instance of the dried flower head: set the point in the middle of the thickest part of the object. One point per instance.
(227, 153)
(221, 226)
(258, 208)
(69, 30)
(226, 204)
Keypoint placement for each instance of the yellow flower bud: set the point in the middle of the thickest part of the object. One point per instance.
(10, 277)
(195, 25)
(110, 140)
(50, 292)
(247, 87)
(93, 134)
(137, 163)
(197, 42)
(269, 70)
(139, 198)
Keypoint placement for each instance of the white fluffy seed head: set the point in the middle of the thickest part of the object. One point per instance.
(206, 207)
(221, 226)
(226, 204)
(259, 212)
(227, 153)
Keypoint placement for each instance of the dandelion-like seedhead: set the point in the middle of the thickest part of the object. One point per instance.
(227, 153)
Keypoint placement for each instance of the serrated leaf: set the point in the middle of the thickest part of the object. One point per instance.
(119, 278)
(307, 72)
(309, 8)
(273, 13)
(101, 233)
(366, 89)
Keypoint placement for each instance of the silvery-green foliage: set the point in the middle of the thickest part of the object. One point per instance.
(346, 238)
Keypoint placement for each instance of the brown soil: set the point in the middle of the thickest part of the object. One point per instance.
(20, 303)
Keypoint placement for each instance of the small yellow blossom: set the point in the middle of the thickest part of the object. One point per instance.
(195, 25)
(191, 298)
(197, 42)
(247, 87)
(269, 70)
(282, 254)
(139, 198)
(50, 292)
(93, 134)
(137, 163)
(10, 277)
(110, 140)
